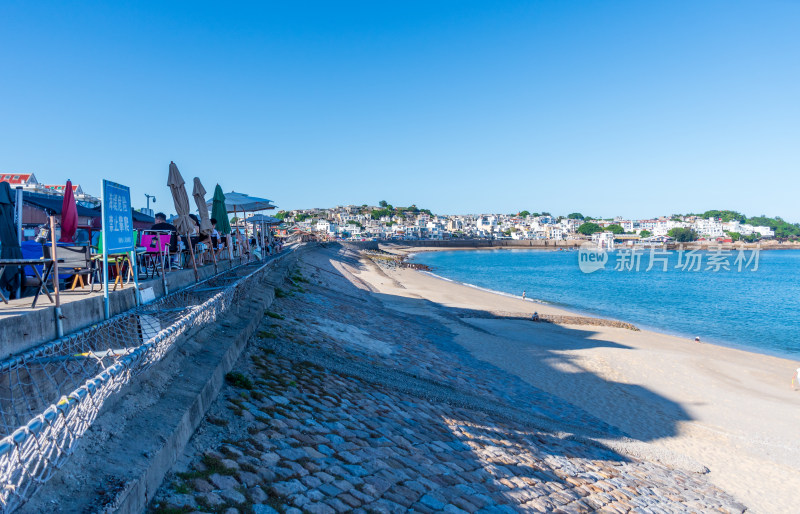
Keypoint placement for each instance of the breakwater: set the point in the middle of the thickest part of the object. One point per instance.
(548, 318)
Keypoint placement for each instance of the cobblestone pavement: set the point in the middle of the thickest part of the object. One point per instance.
(331, 410)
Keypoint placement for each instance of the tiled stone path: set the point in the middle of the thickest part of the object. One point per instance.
(316, 423)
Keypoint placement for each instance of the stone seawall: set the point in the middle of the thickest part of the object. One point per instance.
(475, 243)
(461, 244)
(348, 402)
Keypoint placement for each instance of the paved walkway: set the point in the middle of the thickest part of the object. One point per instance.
(344, 405)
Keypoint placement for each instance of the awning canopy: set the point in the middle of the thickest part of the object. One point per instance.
(236, 202)
(261, 219)
(52, 204)
(144, 218)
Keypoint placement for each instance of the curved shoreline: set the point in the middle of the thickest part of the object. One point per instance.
(731, 410)
(602, 316)
(558, 319)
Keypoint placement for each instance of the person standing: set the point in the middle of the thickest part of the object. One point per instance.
(523, 295)
(796, 379)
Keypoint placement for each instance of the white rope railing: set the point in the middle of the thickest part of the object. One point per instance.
(50, 395)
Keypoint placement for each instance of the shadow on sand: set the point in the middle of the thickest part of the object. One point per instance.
(426, 338)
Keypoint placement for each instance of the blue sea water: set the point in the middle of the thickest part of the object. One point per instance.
(752, 310)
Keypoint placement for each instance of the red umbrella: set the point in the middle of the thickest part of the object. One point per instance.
(69, 215)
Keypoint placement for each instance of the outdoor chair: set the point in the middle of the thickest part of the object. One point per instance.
(175, 251)
(156, 247)
(218, 244)
(118, 265)
(78, 261)
(199, 250)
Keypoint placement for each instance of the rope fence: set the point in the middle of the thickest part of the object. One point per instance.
(50, 395)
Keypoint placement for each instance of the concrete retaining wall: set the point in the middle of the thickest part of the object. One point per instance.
(22, 332)
(150, 436)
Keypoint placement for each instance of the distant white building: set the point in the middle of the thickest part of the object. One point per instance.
(604, 240)
(764, 231)
(555, 232)
(323, 226)
(710, 228)
(486, 223)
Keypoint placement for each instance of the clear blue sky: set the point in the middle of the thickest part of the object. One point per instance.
(608, 107)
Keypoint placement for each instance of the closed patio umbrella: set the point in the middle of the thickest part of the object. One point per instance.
(183, 222)
(199, 194)
(219, 211)
(176, 183)
(69, 215)
(8, 238)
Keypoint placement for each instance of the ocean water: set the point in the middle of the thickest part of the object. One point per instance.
(752, 309)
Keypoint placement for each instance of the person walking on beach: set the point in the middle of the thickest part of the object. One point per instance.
(523, 295)
(796, 379)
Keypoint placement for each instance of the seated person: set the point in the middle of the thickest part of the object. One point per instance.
(161, 223)
(217, 241)
(200, 241)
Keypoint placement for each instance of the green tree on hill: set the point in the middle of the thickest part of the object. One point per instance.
(725, 216)
(589, 228)
(524, 213)
(614, 229)
(682, 235)
(645, 233)
(575, 216)
(782, 228)
(379, 213)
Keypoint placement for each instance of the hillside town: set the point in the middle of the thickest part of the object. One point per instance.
(386, 223)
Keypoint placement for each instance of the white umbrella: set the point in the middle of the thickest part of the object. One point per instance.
(235, 202)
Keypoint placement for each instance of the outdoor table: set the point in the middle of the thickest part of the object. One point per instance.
(32, 263)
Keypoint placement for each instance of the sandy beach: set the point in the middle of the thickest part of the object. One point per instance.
(691, 406)
(375, 388)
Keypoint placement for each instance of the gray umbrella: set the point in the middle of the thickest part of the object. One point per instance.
(199, 194)
(8, 238)
(183, 222)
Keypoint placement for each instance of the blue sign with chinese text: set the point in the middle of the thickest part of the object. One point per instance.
(117, 218)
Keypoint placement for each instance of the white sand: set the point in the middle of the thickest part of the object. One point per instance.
(732, 411)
